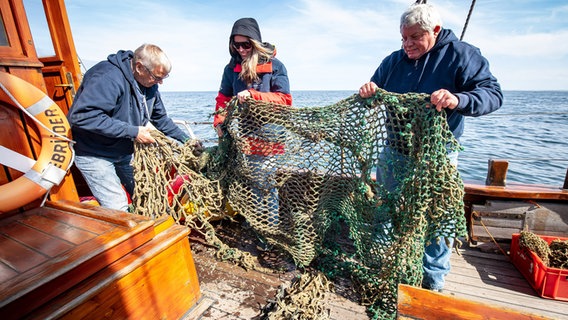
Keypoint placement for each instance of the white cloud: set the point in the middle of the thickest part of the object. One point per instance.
(324, 44)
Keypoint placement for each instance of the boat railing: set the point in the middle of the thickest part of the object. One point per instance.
(187, 126)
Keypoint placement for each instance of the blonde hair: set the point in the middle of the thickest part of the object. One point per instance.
(151, 56)
(259, 54)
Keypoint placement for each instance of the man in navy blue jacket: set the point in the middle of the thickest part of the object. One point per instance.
(118, 103)
(457, 77)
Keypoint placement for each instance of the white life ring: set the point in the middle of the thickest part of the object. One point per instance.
(56, 154)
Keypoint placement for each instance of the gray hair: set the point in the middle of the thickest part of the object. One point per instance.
(424, 15)
(151, 56)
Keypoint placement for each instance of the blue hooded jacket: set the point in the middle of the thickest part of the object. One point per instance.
(451, 64)
(273, 74)
(109, 107)
(273, 84)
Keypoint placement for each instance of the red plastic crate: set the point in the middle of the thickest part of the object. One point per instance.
(548, 282)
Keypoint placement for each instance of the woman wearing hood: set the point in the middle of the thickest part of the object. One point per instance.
(254, 73)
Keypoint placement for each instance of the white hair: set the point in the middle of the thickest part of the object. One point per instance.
(152, 56)
(424, 15)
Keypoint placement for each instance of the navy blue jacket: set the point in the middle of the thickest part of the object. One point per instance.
(273, 84)
(451, 64)
(109, 108)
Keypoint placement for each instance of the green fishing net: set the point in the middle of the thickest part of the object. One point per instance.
(305, 180)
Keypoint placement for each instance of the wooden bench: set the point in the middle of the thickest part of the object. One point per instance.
(70, 260)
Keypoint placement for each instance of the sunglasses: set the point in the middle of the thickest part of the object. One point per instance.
(245, 45)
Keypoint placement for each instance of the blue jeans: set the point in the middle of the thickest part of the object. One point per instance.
(106, 176)
(436, 260)
(436, 263)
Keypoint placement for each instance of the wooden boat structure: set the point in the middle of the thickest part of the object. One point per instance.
(60, 258)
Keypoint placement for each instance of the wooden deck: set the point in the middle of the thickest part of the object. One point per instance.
(240, 294)
(477, 274)
(490, 277)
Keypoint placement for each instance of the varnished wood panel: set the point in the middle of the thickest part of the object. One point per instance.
(475, 189)
(156, 281)
(34, 239)
(21, 51)
(6, 272)
(417, 303)
(13, 137)
(19, 257)
(74, 235)
(88, 240)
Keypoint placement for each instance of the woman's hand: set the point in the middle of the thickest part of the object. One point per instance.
(243, 95)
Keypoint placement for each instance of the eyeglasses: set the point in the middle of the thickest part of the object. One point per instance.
(157, 79)
(245, 45)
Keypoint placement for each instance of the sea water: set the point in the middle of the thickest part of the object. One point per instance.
(530, 130)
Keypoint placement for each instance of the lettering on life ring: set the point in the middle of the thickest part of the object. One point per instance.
(56, 154)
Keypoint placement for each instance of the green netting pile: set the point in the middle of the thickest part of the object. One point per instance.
(553, 254)
(303, 178)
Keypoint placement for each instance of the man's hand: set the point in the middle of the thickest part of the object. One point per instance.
(144, 135)
(198, 148)
(444, 99)
(368, 89)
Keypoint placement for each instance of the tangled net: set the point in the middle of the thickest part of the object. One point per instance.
(554, 255)
(303, 178)
(302, 300)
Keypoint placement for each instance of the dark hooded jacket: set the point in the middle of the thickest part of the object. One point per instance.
(273, 84)
(109, 107)
(451, 64)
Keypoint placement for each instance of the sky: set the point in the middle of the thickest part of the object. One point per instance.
(324, 44)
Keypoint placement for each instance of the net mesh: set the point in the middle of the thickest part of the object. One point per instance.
(304, 180)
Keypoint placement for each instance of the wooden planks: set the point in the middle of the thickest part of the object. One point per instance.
(491, 278)
(487, 278)
(498, 219)
(240, 294)
(46, 251)
(75, 261)
(158, 280)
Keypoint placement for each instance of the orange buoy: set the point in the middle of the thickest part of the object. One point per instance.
(56, 156)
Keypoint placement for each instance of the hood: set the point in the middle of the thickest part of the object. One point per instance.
(444, 37)
(246, 27)
(121, 60)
